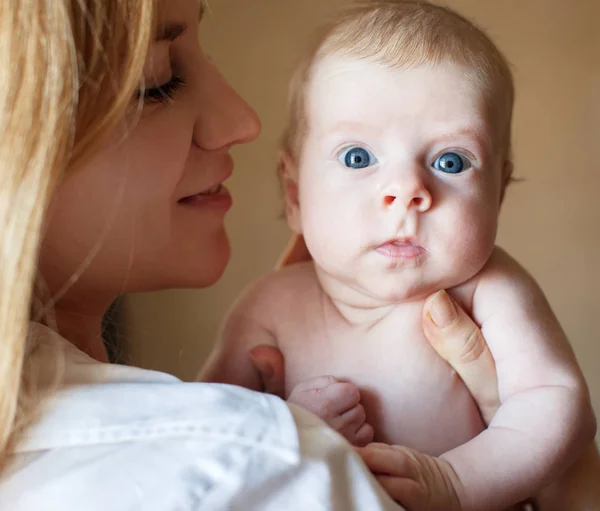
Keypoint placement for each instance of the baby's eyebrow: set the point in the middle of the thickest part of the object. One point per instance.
(471, 132)
(343, 126)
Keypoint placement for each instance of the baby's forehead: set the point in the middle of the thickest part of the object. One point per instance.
(368, 83)
(348, 96)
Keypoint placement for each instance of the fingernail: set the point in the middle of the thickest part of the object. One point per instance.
(441, 309)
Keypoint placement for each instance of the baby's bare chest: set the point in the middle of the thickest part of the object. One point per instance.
(411, 396)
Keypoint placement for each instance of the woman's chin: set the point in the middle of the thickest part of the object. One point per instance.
(213, 278)
(211, 267)
(192, 269)
(196, 278)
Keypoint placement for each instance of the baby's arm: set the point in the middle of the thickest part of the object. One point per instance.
(242, 329)
(545, 420)
(336, 402)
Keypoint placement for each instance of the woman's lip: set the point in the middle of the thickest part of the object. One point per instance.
(220, 200)
(400, 250)
(224, 175)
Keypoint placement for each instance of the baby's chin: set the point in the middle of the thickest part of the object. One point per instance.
(370, 289)
(377, 293)
(390, 291)
(406, 294)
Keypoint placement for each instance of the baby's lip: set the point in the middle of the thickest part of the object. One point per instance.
(402, 241)
(401, 248)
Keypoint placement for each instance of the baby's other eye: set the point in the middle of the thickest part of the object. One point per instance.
(357, 158)
(452, 163)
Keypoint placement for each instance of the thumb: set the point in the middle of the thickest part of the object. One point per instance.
(268, 361)
(458, 340)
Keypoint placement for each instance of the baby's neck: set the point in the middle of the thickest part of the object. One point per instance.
(357, 307)
(360, 317)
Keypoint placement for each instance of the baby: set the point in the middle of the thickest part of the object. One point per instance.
(394, 167)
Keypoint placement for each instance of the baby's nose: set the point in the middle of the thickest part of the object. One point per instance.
(416, 201)
(411, 194)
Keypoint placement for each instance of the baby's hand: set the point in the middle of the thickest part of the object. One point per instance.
(415, 480)
(338, 404)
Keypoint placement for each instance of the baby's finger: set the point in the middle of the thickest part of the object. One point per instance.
(351, 424)
(318, 383)
(325, 396)
(338, 398)
(350, 420)
(364, 435)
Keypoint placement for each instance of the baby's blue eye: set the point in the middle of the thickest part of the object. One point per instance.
(452, 163)
(357, 158)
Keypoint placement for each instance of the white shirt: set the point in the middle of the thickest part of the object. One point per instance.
(116, 438)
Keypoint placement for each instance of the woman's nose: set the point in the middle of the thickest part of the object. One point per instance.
(224, 118)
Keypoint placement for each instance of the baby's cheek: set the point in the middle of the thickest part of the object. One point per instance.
(473, 239)
(331, 233)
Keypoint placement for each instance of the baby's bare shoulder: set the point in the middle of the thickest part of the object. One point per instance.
(504, 283)
(280, 291)
(503, 270)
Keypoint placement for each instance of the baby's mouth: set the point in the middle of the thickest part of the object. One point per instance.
(404, 249)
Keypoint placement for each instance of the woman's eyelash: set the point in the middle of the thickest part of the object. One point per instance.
(163, 93)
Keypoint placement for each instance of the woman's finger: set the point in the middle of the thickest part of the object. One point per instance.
(459, 341)
(268, 361)
(405, 492)
(388, 460)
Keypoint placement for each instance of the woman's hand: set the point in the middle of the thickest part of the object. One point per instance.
(413, 479)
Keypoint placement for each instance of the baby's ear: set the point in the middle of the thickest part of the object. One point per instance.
(288, 173)
(507, 172)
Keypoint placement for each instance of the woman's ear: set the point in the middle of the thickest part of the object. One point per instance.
(288, 173)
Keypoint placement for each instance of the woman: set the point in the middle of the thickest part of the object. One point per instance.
(110, 187)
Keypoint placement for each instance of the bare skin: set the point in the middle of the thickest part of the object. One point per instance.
(461, 344)
(405, 396)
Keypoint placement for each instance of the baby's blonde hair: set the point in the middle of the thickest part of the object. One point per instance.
(404, 34)
(69, 70)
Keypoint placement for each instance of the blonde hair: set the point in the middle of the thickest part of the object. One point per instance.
(404, 34)
(69, 69)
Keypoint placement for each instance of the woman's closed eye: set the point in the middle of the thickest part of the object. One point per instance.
(162, 93)
(452, 162)
(357, 157)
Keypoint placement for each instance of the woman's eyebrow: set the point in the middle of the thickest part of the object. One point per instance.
(171, 31)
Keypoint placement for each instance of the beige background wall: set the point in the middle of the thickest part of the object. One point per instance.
(550, 222)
